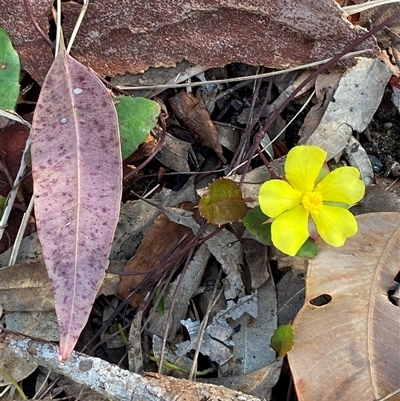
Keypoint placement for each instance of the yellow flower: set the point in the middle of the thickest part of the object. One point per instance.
(311, 191)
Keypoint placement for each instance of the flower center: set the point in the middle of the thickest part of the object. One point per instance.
(312, 201)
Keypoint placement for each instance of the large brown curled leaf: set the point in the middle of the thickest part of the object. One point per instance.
(132, 35)
(349, 349)
(77, 172)
(163, 240)
(187, 108)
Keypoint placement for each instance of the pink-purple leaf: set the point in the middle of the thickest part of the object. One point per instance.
(77, 172)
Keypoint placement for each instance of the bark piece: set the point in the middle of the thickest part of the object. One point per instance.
(132, 35)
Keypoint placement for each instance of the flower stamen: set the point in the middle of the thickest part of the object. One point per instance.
(312, 201)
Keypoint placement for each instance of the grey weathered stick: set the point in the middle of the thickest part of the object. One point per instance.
(113, 382)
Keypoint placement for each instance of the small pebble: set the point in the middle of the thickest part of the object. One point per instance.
(377, 165)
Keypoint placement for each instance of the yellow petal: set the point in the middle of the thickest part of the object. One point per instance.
(276, 196)
(342, 185)
(303, 165)
(289, 230)
(335, 224)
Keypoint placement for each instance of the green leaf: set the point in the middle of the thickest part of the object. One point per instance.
(137, 116)
(223, 203)
(255, 222)
(159, 303)
(308, 249)
(2, 203)
(9, 73)
(282, 340)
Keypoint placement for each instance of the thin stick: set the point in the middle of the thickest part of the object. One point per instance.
(245, 78)
(58, 26)
(293, 119)
(350, 10)
(200, 334)
(264, 147)
(38, 28)
(174, 298)
(245, 138)
(8, 377)
(387, 397)
(78, 24)
(20, 234)
(15, 117)
(13, 193)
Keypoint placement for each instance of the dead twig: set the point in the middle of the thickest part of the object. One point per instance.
(111, 381)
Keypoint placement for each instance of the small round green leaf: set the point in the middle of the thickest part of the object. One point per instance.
(9, 73)
(137, 116)
(282, 340)
(223, 203)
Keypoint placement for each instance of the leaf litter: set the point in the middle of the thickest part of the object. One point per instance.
(224, 251)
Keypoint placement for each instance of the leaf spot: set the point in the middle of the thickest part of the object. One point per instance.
(77, 91)
(63, 120)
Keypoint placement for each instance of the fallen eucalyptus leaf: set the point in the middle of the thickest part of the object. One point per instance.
(77, 173)
(351, 340)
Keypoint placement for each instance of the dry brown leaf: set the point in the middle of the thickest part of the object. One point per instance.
(17, 368)
(188, 109)
(349, 349)
(26, 287)
(164, 239)
(131, 35)
(174, 154)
